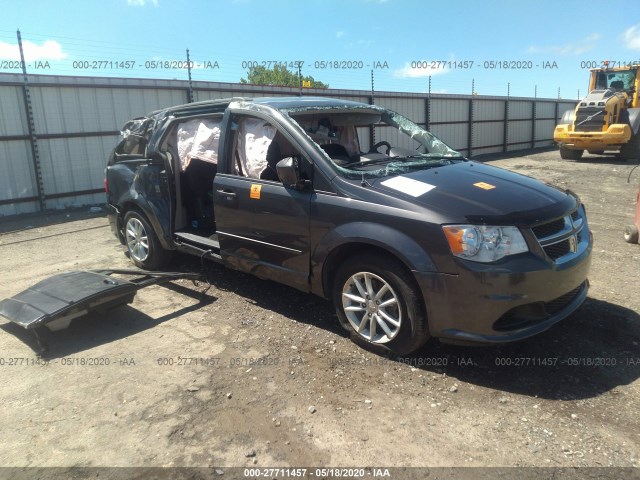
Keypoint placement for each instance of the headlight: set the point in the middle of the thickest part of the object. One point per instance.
(482, 243)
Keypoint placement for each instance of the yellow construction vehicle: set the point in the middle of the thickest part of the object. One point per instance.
(607, 119)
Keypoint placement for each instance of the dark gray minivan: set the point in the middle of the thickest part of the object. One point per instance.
(408, 238)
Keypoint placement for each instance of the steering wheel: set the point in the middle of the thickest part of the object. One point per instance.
(375, 147)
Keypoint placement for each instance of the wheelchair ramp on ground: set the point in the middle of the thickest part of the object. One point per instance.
(57, 300)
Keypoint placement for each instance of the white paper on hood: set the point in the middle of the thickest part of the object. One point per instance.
(412, 187)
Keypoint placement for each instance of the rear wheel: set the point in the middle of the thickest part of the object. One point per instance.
(143, 244)
(631, 234)
(568, 154)
(376, 301)
(631, 149)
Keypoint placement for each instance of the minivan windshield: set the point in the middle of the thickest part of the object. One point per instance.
(398, 146)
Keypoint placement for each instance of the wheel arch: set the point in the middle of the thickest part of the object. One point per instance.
(634, 120)
(142, 207)
(360, 238)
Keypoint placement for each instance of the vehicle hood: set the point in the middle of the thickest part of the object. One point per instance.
(477, 193)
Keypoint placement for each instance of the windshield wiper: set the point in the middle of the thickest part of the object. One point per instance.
(364, 163)
(403, 158)
(440, 157)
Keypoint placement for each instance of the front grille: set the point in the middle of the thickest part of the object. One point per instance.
(531, 313)
(583, 123)
(548, 229)
(561, 236)
(557, 250)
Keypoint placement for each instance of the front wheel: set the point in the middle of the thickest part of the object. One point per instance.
(568, 154)
(143, 244)
(376, 301)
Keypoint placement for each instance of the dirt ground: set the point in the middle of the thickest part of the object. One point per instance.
(252, 373)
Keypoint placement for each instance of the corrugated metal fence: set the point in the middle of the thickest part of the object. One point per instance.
(76, 122)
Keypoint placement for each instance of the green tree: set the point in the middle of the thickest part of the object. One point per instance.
(279, 75)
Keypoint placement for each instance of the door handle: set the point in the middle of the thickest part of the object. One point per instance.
(227, 193)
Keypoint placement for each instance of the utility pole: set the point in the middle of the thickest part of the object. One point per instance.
(372, 101)
(190, 94)
(37, 170)
(428, 107)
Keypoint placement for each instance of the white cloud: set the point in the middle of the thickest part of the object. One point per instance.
(49, 50)
(578, 48)
(631, 37)
(142, 3)
(339, 34)
(360, 43)
(415, 72)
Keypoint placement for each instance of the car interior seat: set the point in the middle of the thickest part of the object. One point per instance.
(337, 152)
(617, 85)
(274, 155)
(198, 194)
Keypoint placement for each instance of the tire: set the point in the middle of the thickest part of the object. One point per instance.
(396, 321)
(631, 234)
(631, 149)
(567, 154)
(142, 243)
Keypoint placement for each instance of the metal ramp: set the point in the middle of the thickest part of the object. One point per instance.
(56, 301)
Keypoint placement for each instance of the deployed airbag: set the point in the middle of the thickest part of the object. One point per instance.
(199, 139)
(254, 137)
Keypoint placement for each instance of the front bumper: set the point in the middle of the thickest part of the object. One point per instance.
(615, 136)
(518, 298)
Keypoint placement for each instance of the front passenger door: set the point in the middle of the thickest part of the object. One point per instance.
(262, 226)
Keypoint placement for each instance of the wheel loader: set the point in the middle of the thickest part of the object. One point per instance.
(607, 119)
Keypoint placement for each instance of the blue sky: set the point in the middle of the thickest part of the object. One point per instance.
(491, 43)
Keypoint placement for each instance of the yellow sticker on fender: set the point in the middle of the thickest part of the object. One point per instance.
(484, 186)
(255, 191)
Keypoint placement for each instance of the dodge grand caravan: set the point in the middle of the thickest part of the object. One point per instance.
(404, 235)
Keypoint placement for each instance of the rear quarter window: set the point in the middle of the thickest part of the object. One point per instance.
(132, 145)
(135, 137)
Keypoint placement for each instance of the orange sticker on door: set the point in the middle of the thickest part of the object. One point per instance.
(484, 186)
(255, 191)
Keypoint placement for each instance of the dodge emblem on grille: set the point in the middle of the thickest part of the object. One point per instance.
(573, 244)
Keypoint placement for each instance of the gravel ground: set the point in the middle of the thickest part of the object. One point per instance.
(252, 373)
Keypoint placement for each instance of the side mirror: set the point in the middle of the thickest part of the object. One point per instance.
(287, 169)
